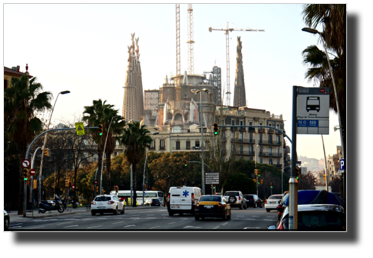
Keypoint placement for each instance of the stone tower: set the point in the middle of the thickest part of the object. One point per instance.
(133, 102)
(239, 83)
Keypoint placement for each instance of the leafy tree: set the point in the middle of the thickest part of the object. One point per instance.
(332, 18)
(241, 182)
(21, 101)
(135, 140)
(102, 113)
(306, 181)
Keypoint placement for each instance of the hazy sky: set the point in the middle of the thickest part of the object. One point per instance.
(83, 48)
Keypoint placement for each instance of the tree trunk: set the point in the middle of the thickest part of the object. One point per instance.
(21, 188)
(134, 185)
(99, 165)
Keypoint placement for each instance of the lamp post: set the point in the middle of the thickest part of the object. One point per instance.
(256, 176)
(45, 140)
(313, 31)
(195, 91)
(103, 153)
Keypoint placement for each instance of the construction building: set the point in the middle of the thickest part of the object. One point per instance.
(239, 83)
(133, 103)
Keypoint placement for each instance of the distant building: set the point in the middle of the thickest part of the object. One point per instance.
(133, 103)
(9, 73)
(239, 83)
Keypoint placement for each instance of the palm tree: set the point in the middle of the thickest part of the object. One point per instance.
(102, 113)
(21, 102)
(136, 141)
(332, 17)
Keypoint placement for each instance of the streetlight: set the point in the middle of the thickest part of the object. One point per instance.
(313, 31)
(45, 140)
(257, 190)
(195, 91)
(103, 153)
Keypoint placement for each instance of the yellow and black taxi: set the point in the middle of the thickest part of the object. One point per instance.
(213, 206)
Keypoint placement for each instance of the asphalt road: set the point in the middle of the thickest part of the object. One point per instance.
(150, 219)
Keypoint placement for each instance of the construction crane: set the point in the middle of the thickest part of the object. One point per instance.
(190, 40)
(227, 30)
(178, 42)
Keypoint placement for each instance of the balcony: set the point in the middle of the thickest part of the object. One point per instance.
(242, 129)
(268, 154)
(233, 128)
(261, 130)
(269, 142)
(245, 153)
(252, 130)
(246, 141)
(271, 131)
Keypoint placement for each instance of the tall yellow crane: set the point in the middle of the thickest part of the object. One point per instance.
(227, 30)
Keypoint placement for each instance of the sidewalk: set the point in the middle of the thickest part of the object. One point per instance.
(14, 216)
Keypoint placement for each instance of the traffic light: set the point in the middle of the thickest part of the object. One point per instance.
(46, 152)
(70, 185)
(324, 177)
(216, 128)
(254, 180)
(25, 173)
(271, 185)
(35, 184)
(297, 172)
(146, 187)
(67, 183)
(100, 129)
(185, 163)
(258, 172)
(262, 181)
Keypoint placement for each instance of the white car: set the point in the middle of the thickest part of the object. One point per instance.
(107, 203)
(272, 202)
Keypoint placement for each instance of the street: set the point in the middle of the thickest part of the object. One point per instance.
(144, 219)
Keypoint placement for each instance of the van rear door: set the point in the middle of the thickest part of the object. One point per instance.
(175, 198)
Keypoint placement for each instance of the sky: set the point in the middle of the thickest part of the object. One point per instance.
(83, 48)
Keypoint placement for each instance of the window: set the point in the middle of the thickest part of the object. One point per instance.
(152, 145)
(241, 149)
(241, 137)
(260, 138)
(278, 139)
(233, 135)
(197, 144)
(269, 138)
(188, 145)
(270, 151)
(278, 161)
(270, 162)
(162, 145)
(232, 122)
(278, 151)
(261, 160)
(251, 137)
(251, 149)
(178, 145)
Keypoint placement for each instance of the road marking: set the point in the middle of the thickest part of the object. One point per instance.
(15, 226)
(129, 226)
(95, 226)
(254, 216)
(171, 222)
(118, 222)
(71, 226)
(64, 223)
(225, 223)
(216, 227)
(154, 227)
(250, 219)
(191, 227)
(270, 219)
(150, 217)
(250, 227)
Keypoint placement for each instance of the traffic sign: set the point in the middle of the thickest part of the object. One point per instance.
(313, 110)
(73, 187)
(25, 163)
(32, 172)
(79, 128)
(95, 182)
(342, 165)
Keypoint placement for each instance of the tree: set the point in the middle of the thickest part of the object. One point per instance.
(135, 140)
(332, 17)
(102, 113)
(306, 181)
(21, 101)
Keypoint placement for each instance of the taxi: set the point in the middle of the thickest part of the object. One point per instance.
(213, 206)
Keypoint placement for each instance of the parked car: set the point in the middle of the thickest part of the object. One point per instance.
(107, 203)
(315, 217)
(253, 200)
(155, 202)
(213, 206)
(272, 202)
(312, 197)
(235, 199)
(6, 220)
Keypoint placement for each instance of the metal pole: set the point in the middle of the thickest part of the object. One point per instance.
(131, 187)
(326, 173)
(95, 183)
(293, 183)
(203, 166)
(143, 179)
(256, 176)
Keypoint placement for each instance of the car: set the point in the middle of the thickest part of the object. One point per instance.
(6, 220)
(315, 217)
(312, 197)
(107, 203)
(155, 202)
(253, 200)
(236, 199)
(213, 206)
(272, 202)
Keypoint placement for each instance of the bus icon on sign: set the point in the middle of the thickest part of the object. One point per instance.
(313, 103)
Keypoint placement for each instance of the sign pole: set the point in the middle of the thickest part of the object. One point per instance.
(293, 183)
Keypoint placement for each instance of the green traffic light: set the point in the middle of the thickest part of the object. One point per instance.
(25, 178)
(100, 134)
(215, 133)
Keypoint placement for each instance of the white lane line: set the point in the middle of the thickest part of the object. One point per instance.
(270, 219)
(150, 217)
(64, 223)
(250, 227)
(95, 226)
(216, 227)
(225, 223)
(250, 219)
(171, 222)
(118, 222)
(129, 226)
(154, 227)
(71, 226)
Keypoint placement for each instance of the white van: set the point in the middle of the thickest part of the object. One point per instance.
(183, 199)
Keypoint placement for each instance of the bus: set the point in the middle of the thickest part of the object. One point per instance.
(149, 195)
